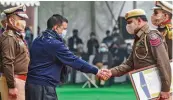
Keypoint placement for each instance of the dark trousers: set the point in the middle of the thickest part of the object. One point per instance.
(39, 92)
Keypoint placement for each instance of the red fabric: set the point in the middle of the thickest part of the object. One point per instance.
(155, 42)
(22, 77)
(166, 22)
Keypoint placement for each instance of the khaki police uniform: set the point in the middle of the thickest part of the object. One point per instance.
(166, 28)
(149, 48)
(14, 58)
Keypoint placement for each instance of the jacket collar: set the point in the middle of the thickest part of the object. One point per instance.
(144, 29)
(53, 34)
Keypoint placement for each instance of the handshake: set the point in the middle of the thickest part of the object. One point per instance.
(104, 74)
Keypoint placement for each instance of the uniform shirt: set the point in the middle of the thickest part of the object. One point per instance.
(14, 56)
(149, 49)
(167, 32)
(48, 57)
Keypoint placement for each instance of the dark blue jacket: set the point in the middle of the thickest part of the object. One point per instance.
(48, 57)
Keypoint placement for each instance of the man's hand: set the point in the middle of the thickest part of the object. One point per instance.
(104, 74)
(13, 93)
(163, 96)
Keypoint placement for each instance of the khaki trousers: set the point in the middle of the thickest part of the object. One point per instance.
(20, 85)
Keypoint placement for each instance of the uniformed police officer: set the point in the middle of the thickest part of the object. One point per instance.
(149, 48)
(161, 17)
(14, 55)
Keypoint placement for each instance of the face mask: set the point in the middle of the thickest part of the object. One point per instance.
(64, 32)
(157, 19)
(131, 28)
(103, 50)
(20, 24)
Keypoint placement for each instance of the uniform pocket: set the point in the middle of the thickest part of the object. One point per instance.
(141, 50)
(20, 46)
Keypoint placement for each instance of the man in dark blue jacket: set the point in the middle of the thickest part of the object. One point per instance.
(49, 55)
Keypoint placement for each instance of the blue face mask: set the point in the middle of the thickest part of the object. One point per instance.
(103, 50)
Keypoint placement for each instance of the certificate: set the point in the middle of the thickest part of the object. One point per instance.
(146, 82)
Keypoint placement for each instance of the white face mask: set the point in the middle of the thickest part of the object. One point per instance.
(131, 28)
(64, 32)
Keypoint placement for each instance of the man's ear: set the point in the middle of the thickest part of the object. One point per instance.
(11, 20)
(139, 21)
(55, 27)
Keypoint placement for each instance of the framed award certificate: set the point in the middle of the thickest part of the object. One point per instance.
(146, 82)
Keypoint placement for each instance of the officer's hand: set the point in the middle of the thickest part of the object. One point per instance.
(13, 93)
(104, 74)
(164, 96)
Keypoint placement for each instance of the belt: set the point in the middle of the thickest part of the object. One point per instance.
(22, 77)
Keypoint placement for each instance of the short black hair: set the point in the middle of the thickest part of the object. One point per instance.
(55, 19)
(107, 32)
(75, 31)
(92, 33)
(144, 18)
(27, 28)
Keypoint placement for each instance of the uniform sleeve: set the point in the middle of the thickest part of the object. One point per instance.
(8, 56)
(124, 68)
(60, 51)
(161, 56)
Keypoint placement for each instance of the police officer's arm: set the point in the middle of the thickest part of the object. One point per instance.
(161, 56)
(8, 56)
(60, 51)
(124, 67)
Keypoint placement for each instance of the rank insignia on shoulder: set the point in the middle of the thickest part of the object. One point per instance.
(155, 39)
